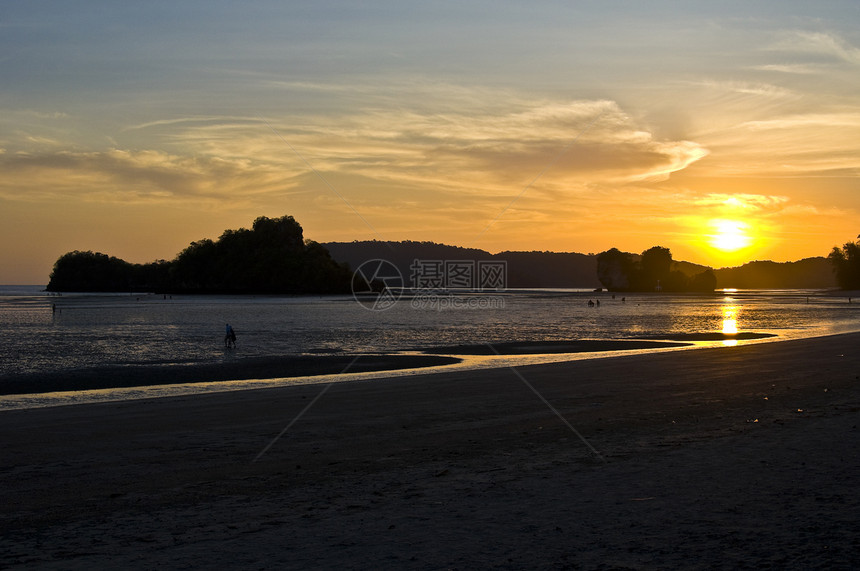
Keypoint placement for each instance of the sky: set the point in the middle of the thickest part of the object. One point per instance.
(724, 131)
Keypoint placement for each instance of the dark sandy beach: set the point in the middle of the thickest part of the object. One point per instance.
(727, 458)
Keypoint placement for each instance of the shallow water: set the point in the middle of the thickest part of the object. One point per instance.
(56, 333)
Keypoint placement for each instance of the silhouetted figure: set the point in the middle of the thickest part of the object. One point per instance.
(598, 303)
(590, 303)
(230, 337)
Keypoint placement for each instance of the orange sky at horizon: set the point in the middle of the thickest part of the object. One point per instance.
(724, 133)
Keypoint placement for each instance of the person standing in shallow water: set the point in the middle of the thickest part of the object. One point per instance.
(230, 337)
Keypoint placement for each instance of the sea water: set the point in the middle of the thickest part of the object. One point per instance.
(50, 333)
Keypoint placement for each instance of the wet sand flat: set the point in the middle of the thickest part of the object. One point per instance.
(290, 366)
(545, 347)
(736, 457)
(106, 377)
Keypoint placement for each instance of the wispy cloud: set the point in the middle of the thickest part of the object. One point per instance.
(212, 119)
(807, 120)
(796, 68)
(408, 172)
(467, 150)
(749, 88)
(740, 202)
(827, 44)
(121, 176)
(806, 144)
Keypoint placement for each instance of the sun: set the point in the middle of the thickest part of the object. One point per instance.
(729, 235)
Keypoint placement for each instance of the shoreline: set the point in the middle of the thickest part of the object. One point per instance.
(239, 369)
(295, 366)
(138, 382)
(741, 456)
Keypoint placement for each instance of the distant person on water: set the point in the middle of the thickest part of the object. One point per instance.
(230, 337)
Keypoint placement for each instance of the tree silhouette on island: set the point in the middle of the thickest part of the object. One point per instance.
(846, 264)
(270, 258)
(652, 271)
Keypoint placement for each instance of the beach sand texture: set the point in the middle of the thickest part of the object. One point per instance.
(728, 458)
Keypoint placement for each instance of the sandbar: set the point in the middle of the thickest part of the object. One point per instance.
(717, 336)
(715, 458)
(550, 347)
(112, 376)
(291, 366)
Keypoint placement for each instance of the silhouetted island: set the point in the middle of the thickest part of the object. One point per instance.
(270, 258)
(273, 258)
(846, 264)
(654, 270)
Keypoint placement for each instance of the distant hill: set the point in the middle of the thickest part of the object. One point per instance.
(524, 269)
(809, 273)
(689, 269)
(550, 269)
(573, 270)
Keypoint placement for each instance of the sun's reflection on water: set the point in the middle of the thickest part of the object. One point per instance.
(730, 322)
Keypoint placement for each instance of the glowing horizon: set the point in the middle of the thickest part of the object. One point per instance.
(724, 135)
